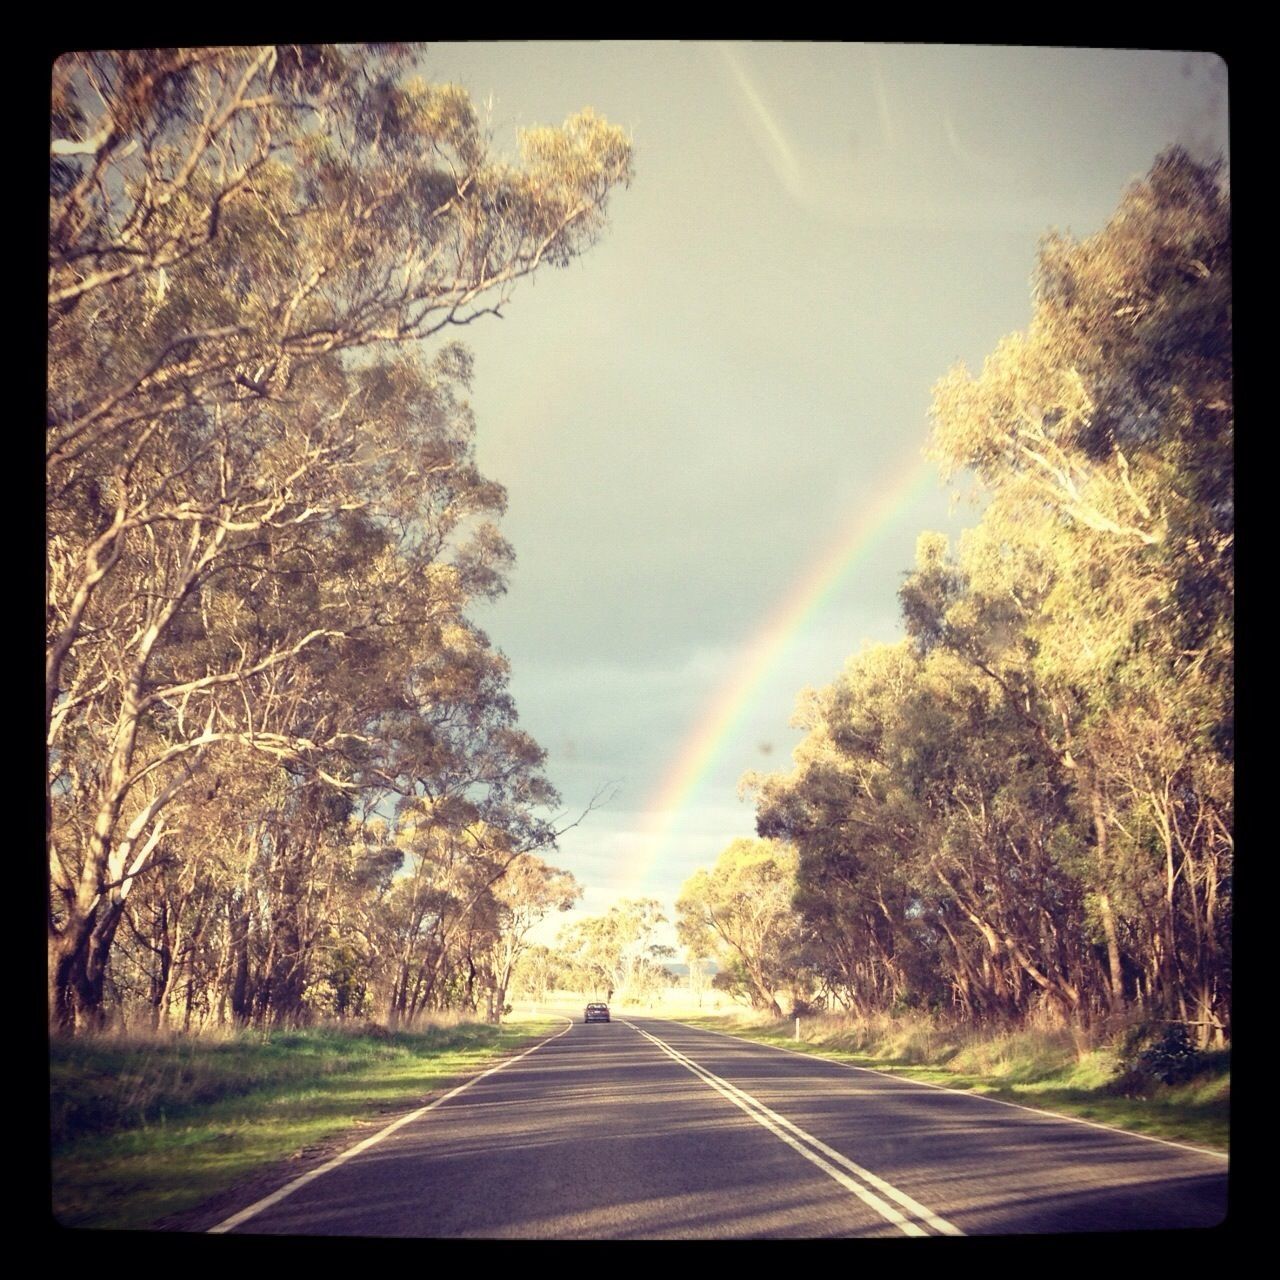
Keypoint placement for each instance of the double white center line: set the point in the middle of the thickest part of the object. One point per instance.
(864, 1184)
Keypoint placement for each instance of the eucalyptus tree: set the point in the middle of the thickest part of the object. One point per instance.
(1035, 788)
(537, 972)
(615, 953)
(741, 910)
(925, 821)
(528, 891)
(443, 886)
(853, 826)
(253, 482)
(1098, 590)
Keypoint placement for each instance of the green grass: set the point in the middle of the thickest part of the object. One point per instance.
(1048, 1070)
(144, 1128)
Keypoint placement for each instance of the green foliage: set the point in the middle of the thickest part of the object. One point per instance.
(741, 913)
(615, 953)
(1025, 809)
(1152, 1054)
(266, 523)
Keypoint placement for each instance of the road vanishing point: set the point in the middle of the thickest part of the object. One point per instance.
(645, 1129)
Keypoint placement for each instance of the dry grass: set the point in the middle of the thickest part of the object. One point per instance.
(1042, 1064)
(143, 1126)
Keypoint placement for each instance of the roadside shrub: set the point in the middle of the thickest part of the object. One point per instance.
(1155, 1054)
(1172, 1057)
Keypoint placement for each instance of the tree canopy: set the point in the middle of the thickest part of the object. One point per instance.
(740, 912)
(1030, 798)
(616, 953)
(265, 521)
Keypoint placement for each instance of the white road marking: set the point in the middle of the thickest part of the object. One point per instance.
(809, 1146)
(288, 1189)
(965, 1093)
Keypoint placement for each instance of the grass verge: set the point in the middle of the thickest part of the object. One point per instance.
(143, 1129)
(1047, 1070)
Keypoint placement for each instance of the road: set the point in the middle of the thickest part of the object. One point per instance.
(642, 1128)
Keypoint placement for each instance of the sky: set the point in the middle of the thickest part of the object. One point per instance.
(711, 427)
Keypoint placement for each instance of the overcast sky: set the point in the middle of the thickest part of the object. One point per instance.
(736, 380)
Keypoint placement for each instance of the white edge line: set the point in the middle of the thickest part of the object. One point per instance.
(961, 1093)
(765, 1117)
(227, 1224)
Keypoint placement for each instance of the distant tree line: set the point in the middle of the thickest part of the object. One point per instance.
(285, 776)
(1028, 802)
(610, 957)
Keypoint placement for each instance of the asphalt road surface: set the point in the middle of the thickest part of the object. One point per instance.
(642, 1128)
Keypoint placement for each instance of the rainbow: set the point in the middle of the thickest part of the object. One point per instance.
(727, 707)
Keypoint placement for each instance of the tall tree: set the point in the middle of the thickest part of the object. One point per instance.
(255, 487)
(616, 952)
(741, 909)
(527, 893)
(1031, 798)
(1101, 579)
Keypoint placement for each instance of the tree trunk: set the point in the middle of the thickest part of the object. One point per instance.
(1115, 975)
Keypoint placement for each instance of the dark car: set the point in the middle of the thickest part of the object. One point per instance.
(596, 1013)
